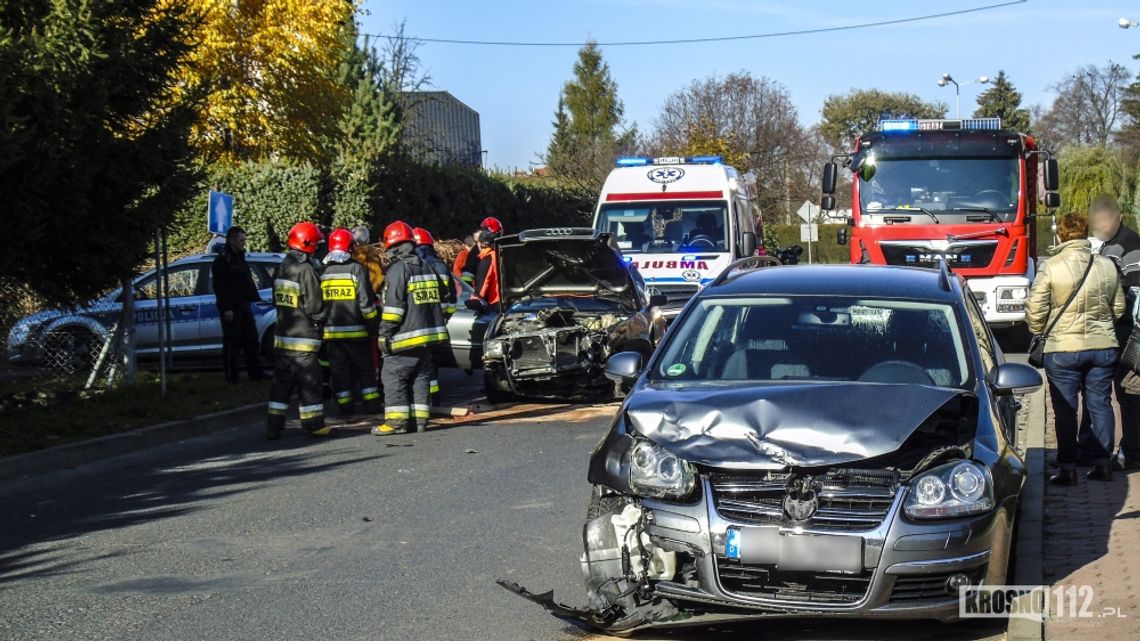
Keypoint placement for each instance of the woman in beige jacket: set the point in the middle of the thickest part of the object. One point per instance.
(1081, 349)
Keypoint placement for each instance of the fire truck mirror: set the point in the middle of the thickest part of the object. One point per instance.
(1051, 175)
(827, 203)
(1052, 199)
(841, 236)
(830, 171)
(867, 170)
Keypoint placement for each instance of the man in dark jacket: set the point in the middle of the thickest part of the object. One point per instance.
(352, 319)
(297, 337)
(234, 290)
(411, 323)
(1122, 245)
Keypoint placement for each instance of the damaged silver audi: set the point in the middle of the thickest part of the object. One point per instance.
(807, 441)
(568, 301)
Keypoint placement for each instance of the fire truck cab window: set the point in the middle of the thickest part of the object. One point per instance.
(956, 187)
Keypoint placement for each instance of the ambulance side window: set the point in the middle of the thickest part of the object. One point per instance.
(741, 211)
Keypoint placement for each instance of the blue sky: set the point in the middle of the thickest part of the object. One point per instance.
(515, 89)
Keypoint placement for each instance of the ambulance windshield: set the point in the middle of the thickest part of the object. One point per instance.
(667, 227)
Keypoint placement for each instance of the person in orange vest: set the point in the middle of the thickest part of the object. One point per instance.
(487, 274)
(471, 262)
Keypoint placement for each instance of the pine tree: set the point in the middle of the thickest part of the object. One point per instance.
(1003, 100)
(588, 128)
(369, 132)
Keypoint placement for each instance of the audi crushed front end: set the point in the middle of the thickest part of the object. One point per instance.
(784, 481)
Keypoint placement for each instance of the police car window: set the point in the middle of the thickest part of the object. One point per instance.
(667, 227)
(183, 282)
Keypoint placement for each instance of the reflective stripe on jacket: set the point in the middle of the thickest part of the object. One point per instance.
(300, 305)
(411, 296)
(352, 313)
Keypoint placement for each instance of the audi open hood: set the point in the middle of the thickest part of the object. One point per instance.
(798, 425)
(563, 262)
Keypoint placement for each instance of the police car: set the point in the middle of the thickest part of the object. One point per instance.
(73, 337)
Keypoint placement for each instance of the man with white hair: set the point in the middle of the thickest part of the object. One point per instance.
(1121, 244)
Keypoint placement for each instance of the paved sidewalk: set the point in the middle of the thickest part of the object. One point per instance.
(1092, 538)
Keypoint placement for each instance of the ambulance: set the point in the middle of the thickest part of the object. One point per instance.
(679, 221)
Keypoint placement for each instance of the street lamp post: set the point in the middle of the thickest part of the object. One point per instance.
(947, 79)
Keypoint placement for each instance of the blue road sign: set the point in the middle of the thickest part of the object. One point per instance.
(220, 212)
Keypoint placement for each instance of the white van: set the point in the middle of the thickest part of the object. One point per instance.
(679, 221)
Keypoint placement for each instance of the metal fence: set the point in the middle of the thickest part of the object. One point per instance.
(55, 348)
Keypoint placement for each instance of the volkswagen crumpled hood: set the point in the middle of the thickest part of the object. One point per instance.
(774, 426)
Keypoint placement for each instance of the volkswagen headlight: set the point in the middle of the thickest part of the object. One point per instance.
(961, 488)
(657, 472)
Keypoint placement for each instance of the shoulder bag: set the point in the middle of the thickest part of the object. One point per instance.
(1037, 344)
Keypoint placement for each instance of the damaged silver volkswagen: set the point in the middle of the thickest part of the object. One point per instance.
(807, 441)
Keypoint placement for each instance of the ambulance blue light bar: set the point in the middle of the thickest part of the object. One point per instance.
(642, 161)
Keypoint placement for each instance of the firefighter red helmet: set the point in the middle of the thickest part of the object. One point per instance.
(304, 237)
(492, 224)
(398, 232)
(423, 236)
(341, 240)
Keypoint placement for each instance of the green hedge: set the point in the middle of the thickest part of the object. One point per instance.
(269, 197)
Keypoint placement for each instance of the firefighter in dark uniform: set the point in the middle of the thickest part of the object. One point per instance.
(425, 249)
(411, 322)
(297, 335)
(352, 321)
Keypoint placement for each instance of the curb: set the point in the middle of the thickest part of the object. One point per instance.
(72, 455)
(1030, 546)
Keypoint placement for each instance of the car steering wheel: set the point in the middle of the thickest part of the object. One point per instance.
(704, 240)
(990, 194)
(897, 372)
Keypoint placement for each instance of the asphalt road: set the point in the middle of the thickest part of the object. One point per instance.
(355, 537)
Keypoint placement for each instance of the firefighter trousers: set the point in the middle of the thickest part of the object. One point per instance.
(300, 372)
(351, 368)
(406, 377)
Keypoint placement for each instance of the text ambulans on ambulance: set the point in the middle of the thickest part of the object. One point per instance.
(679, 221)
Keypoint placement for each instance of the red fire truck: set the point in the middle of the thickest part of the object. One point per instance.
(963, 191)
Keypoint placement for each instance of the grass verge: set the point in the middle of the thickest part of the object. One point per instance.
(42, 416)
